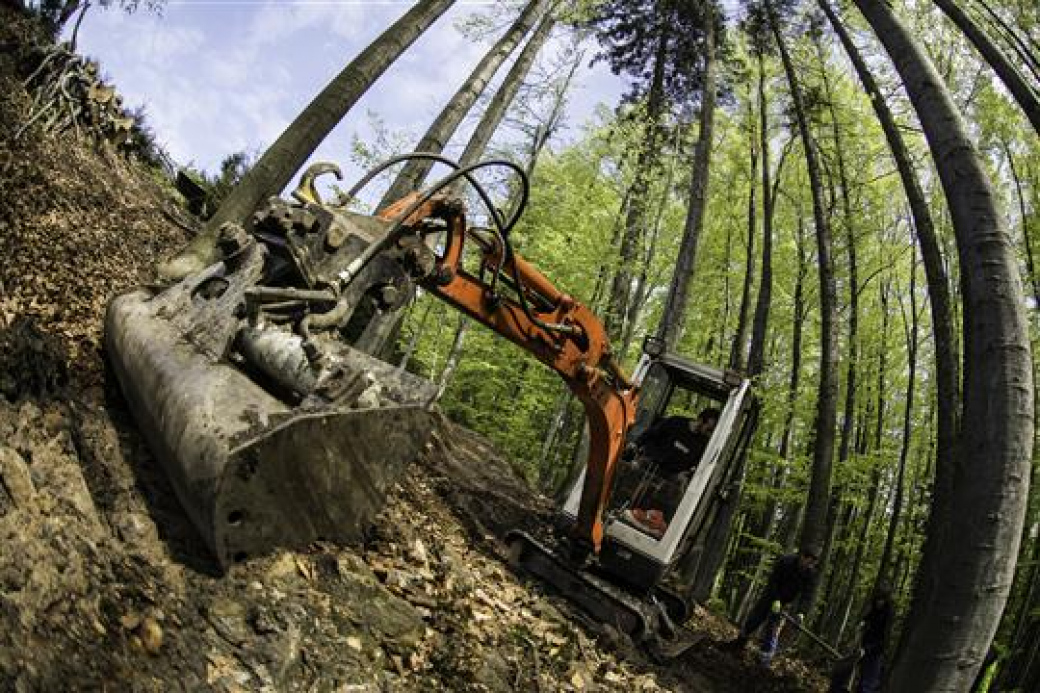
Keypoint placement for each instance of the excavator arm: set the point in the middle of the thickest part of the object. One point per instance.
(510, 296)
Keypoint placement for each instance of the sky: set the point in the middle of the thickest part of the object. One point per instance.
(222, 76)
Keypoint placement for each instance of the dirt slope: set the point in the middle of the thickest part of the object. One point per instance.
(104, 584)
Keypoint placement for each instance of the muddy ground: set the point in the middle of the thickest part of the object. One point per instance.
(104, 584)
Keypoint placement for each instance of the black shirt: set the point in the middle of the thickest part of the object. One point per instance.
(875, 627)
(789, 580)
(672, 445)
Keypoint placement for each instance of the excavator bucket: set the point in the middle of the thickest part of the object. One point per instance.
(273, 429)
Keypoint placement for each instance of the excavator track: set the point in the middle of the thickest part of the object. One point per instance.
(645, 621)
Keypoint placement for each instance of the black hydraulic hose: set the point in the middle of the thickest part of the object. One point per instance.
(485, 198)
(507, 250)
(425, 156)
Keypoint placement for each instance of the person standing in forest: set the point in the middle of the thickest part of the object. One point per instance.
(875, 626)
(792, 580)
(670, 449)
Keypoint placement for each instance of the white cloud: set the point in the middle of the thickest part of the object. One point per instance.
(220, 78)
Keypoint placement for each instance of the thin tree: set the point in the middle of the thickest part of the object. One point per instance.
(814, 527)
(670, 328)
(946, 367)
(448, 120)
(284, 158)
(968, 563)
(910, 324)
(1026, 97)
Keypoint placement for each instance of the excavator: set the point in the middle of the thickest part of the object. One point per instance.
(258, 386)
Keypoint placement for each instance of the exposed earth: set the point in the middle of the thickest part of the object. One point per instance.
(104, 583)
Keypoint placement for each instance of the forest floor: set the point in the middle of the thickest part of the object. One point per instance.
(104, 583)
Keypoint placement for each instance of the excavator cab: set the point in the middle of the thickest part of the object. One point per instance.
(640, 577)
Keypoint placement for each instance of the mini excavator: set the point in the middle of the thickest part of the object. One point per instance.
(256, 384)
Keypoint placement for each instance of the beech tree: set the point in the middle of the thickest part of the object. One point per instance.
(967, 566)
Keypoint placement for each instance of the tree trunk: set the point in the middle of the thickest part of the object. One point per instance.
(447, 121)
(670, 328)
(621, 284)
(814, 527)
(739, 349)
(413, 343)
(946, 367)
(1034, 280)
(381, 335)
(973, 555)
(756, 359)
(1021, 91)
(884, 572)
(284, 158)
(845, 438)
(537, 143)
(506, 93)
(1025, 49)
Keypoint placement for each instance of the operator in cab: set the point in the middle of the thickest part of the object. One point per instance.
(667, 453)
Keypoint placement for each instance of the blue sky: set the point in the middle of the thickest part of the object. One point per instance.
(220, 76)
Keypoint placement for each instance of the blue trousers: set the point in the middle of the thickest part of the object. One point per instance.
(762, 614)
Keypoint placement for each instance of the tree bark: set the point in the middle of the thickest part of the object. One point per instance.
(448, 120)
(814, 527)
(284, 158)
(756, 357)
(946, 367)
(884, 572)
(670, 328)
(1021, 91)
(1034, 280)
(739, 348)
(506, 93)
(621, 284)
(973, 556)
(1026, 50)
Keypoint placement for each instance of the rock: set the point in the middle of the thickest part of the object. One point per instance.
(151, 635)
(228, 618)
(135, 528)
(16, 480)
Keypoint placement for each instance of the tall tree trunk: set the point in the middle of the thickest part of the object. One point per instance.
(413, 342)
(1034, 280)
(538, 142)
(972, 556)
(814, 527)
(621, 284)
(1027, 53)
(506, 93)
(1020, 89)
(670, 328)
(884, 572)
(642, 289)
(946, 366)
(284, 158)
(451, 362)
(756, 360)
(769, 515)
(447, 121)
(738, 350)
(845, 437)
(381, 335)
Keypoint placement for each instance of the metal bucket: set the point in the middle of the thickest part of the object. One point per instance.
(256, 462)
